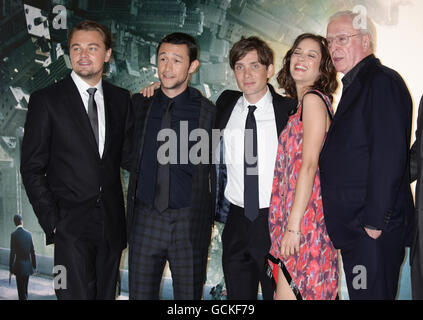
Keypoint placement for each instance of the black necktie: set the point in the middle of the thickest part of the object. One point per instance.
(251, 190)
(92, 112)
(161, 194)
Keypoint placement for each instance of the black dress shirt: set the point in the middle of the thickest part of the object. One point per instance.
(185, 114)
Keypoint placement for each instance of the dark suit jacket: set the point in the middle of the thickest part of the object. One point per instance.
(62, 172)
(364, 168)
(416, 169)
(202, 200)
(225, 104)
(22, 260)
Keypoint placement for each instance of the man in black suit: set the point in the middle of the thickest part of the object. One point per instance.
(22, 262)
(364, 164)
(252, 121)
(170, 201)
(71, 157)
(416, 173)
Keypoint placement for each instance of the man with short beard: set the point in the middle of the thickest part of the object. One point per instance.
(170, 203)
(71, 157)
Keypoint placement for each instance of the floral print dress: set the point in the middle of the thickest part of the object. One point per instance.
(313, 273)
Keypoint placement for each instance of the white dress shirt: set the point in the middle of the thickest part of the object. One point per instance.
(267, 147)
(99, 100)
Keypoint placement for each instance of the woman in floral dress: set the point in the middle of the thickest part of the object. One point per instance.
(302, 259)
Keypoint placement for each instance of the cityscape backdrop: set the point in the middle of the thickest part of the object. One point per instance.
(34, 54)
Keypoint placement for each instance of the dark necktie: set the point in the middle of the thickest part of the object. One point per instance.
(161, 194)
(251, 189)
(92, 112)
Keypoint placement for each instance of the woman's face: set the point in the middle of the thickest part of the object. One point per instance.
(305, 62)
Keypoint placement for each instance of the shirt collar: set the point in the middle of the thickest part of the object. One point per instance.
(352, 74)
(83, 86)
(262, 104)
(19, 226)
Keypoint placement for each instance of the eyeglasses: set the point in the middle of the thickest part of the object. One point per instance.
(342, 39)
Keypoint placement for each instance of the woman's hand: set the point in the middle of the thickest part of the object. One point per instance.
(149, 91)
(290, 244)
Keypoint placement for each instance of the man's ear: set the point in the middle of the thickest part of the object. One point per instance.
(108, 55)
(270, 70)
(193, 66)
(366, 42)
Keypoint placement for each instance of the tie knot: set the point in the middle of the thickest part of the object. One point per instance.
(91, 91)
(251, 109)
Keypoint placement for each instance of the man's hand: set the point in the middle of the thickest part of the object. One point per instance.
(373, 233)
(149, 91)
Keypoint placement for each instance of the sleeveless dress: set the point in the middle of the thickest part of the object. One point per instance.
(313, 273)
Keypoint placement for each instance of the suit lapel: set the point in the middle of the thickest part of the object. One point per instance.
(73, 102)
(225, 109)
(280, 106)
(108, 105)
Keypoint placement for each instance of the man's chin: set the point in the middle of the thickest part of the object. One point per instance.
(87, 75)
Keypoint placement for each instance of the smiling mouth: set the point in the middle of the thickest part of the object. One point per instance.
(301, 68)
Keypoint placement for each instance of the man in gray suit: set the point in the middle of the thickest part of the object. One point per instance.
(22, 257)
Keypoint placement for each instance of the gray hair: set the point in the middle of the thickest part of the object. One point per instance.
(368, 27)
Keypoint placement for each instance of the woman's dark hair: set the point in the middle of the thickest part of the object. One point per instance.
(182, 38)
(326, 82)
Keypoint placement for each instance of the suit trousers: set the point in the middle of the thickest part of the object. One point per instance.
(92, 267)
(245, 247)
(417, 274)
(22, 286)
(155, 238)
(372, 267)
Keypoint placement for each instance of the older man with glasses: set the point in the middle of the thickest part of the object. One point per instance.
(364, 165)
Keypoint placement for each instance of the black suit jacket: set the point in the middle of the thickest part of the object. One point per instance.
(416, 172)
(225, 104)
(202, 199)
(62, 172)
(22, 260)
(364, 167)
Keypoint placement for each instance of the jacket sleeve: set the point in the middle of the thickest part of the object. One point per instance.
(128, 143)
(12, 254)
(388, 127)
(34, 163)
(413, 163)
(33, 258)
(414, 158)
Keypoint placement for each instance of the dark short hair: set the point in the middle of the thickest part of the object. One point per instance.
(245, 45)
(17, 219)
(326, 82)
(88, 25)
(182, 38)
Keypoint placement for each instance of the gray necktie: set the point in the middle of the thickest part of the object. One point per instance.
(92, 112)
